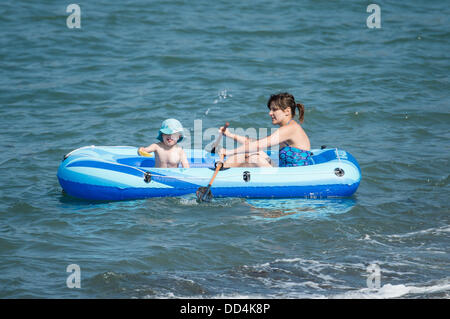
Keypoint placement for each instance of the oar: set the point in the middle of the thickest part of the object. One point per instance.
(216, 143)
(204, 193)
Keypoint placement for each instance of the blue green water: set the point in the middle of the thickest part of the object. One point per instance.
(380, 94)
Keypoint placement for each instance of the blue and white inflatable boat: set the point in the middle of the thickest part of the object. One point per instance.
(119, 173)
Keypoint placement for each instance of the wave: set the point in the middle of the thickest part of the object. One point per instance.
(430, 231)
(397, 291)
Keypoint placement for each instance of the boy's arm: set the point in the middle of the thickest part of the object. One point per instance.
(184, 160)
(148, 149)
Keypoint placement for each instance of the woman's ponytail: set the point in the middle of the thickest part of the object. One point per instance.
(301, 111)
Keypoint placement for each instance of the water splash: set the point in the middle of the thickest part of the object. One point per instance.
(222, 96)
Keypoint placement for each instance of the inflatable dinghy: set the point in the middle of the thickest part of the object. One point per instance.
(119, 173)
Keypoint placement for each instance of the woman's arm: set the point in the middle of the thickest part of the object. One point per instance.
(279, 136)
(238, 138)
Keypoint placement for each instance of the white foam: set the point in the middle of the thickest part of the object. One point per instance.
(191, 200)
(385, 292)
(392, 291)
(187, 201)
(293, 260)
(429, 231)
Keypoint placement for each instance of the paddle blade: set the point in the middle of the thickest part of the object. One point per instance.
(204, 194)
(144, 153)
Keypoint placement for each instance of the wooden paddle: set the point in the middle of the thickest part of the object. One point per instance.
(216, 143)
(204, 193)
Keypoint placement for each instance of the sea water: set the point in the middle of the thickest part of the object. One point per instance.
(379, 91)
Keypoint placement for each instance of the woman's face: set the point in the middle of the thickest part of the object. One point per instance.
(171, 139)
(278, 115)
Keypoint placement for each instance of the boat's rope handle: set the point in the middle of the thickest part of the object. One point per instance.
(337, 154)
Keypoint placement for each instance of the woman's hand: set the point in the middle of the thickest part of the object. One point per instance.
(224, 131)
(222, 152)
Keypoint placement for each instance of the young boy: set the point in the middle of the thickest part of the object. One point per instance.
(167, 152)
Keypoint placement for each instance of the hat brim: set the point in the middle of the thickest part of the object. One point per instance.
(169, 131)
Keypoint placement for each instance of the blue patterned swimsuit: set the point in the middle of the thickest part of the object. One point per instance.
(291, 156)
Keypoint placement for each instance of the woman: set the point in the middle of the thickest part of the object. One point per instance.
(294, 143)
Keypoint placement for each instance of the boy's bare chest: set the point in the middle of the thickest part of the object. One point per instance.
(169, 157)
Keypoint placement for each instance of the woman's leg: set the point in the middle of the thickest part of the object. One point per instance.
(258, 159)
(236, 160)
